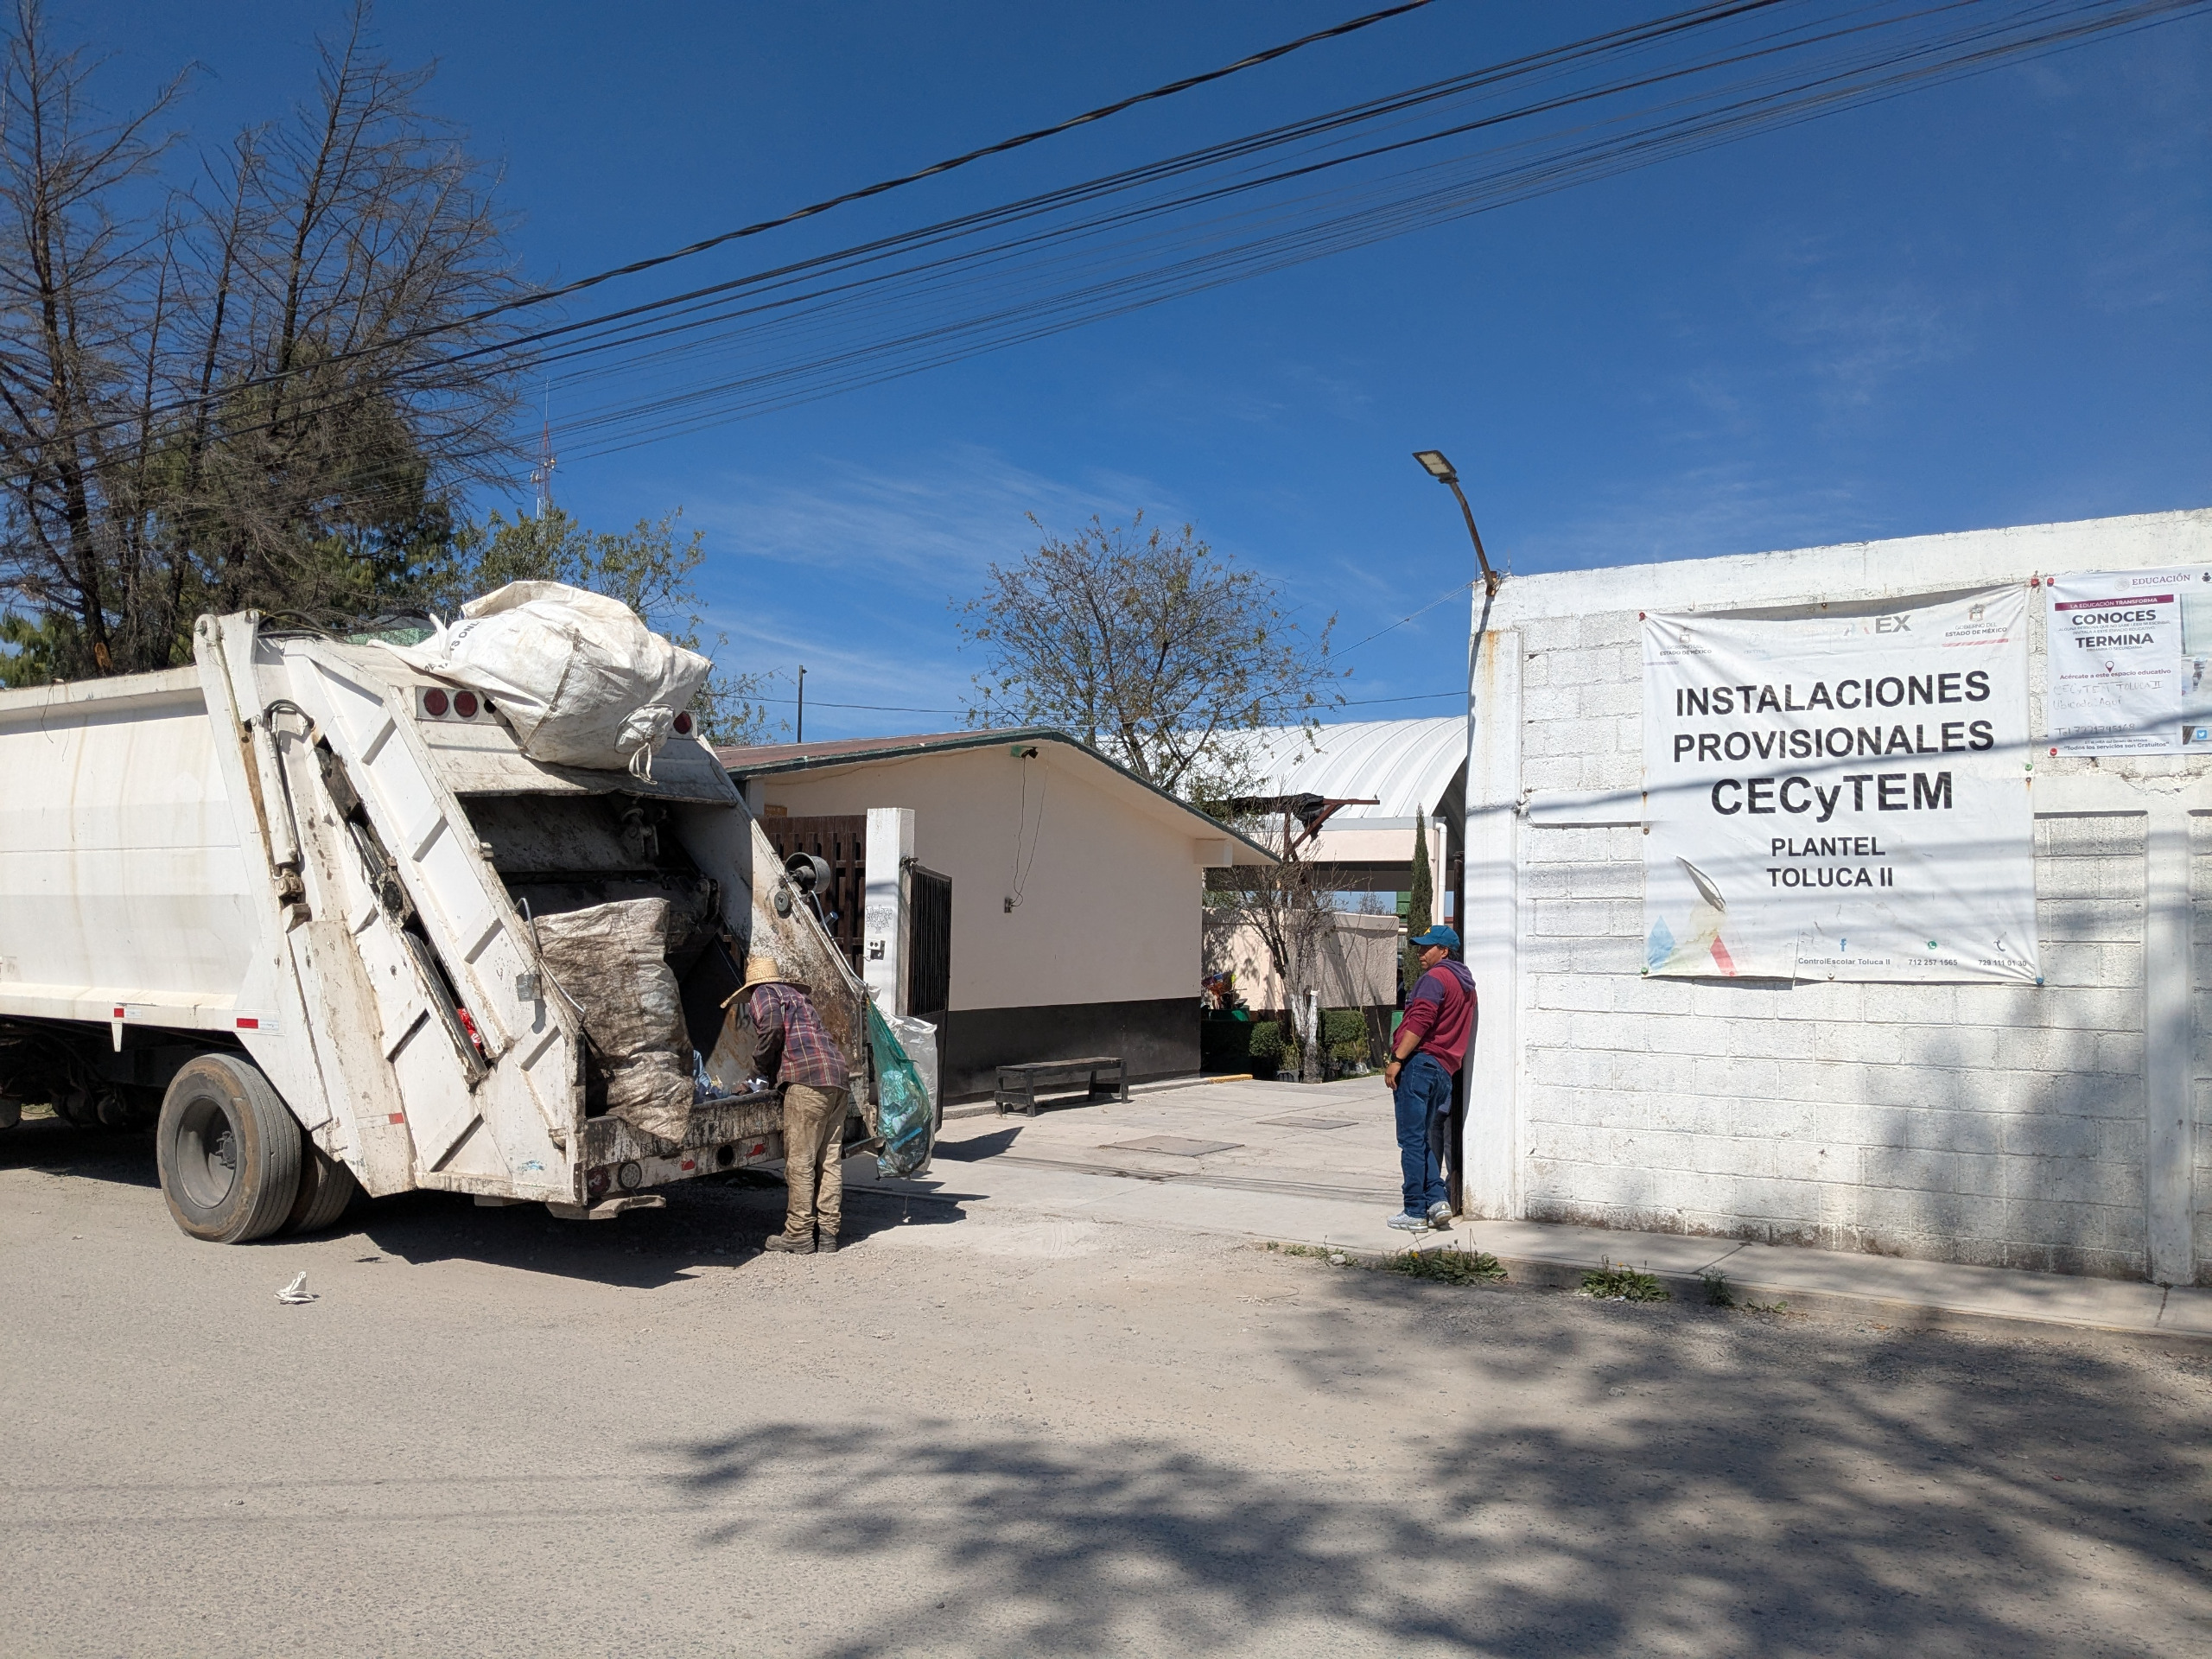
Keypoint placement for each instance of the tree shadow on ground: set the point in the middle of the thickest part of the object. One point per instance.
(1683, 1482)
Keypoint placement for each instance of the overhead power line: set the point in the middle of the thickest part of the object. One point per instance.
(909, 708)
(1509, 131)
(546, 296)
(1477, 139)
(884, 185)
(1817, 58)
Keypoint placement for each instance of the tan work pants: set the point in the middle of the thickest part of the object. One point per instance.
(814, 1127)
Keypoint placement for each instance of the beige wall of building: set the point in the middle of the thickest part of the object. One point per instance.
(1358, 964)
(1110, 877)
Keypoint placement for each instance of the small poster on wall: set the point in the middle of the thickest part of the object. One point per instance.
(2118, 674)
(1840, 796)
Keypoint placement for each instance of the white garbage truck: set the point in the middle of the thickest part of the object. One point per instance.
(293, 906)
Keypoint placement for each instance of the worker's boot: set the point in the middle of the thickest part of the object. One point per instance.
(825, 1244)
(785, 1244)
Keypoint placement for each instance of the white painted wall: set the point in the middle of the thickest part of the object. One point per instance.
(2066, 1126)
(1111, 882)
(884, 963)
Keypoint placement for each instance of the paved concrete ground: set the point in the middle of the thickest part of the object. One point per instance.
(1318, 1163)
(992, 1428)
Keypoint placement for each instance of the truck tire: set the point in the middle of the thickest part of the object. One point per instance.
(228, 1149)
(327, 1188)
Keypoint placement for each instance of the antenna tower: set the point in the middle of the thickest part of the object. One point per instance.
(542, 474)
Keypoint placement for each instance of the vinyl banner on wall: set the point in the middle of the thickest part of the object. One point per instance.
(1840, 797)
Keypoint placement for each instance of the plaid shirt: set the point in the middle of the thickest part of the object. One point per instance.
(794, 1048)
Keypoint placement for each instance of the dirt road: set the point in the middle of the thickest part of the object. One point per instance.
(987, 1431)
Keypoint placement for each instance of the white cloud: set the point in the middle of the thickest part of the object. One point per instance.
(1857, 337)
(1727, 508)
(945, 520)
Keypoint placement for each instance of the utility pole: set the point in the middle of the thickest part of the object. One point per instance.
(801, 736)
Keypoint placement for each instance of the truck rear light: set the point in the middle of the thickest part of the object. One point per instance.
(464, 704)
(683, 724)
(434, 703)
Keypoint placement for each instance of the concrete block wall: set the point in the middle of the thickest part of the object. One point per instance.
(2200, 1091)
(1996, 1125)
(1999, 1125)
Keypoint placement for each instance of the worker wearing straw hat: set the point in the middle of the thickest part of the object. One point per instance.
(795, 1050)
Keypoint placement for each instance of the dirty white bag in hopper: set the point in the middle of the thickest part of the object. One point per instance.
(580, 677)
(610, 962)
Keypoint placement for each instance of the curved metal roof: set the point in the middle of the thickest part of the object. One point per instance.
(1406, 764)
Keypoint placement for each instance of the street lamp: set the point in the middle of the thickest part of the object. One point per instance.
(1434, 463)
(1438, 467)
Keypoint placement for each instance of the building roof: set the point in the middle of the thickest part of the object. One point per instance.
(773, 760)
(1408, 765)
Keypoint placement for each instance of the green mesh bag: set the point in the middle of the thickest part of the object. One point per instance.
(904, 1116)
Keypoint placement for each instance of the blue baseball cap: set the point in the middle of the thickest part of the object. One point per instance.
(1439, 935)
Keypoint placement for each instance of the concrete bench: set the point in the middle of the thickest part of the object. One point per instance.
(1018, 1084)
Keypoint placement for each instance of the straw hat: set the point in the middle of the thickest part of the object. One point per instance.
(759, 970)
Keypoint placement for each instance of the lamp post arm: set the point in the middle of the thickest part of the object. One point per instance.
(1489, 576)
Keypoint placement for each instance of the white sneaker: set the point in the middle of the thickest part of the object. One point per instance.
(1407, 1221)
(1440, 1215)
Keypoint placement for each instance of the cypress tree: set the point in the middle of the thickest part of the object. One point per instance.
(1419, 901)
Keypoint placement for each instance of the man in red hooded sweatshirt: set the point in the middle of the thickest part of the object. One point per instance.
(1430, 1042)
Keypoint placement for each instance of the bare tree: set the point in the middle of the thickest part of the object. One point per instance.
(342, 253)
(263, 389)
(1150, 647)
(1284, 907)
(85, 292)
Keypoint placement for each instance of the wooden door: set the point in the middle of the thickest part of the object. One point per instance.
(840, 842)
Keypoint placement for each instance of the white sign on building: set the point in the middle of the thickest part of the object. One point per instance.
(1840, 796)
(2118, 678)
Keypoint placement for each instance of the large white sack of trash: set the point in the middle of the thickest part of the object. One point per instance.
(580, 677)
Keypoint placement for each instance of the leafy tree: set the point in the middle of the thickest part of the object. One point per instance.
(29, 651)
(1149, 647)
(1421, 902)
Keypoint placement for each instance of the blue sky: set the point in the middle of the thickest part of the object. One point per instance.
(1984, 303)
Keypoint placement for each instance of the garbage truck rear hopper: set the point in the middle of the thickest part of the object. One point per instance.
(288, 903)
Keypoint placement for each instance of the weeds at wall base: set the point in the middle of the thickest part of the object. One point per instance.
(1608, 1283)
(1449, 1266)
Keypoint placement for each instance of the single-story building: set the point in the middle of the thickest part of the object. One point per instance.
(1854, 897)
(1032, 898)
(1363, 789)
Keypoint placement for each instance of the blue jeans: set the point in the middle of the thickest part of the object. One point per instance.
(1424, 1103)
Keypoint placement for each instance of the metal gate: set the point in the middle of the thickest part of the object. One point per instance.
(929, 969)
(840, 842)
